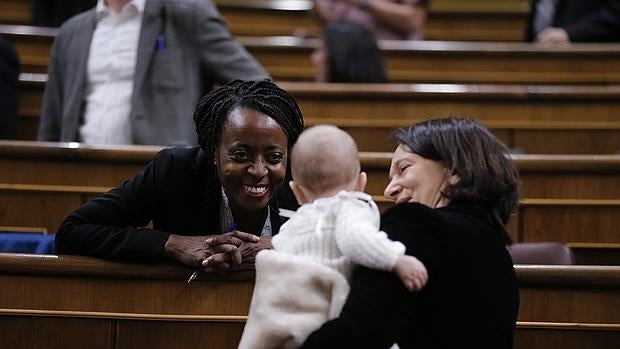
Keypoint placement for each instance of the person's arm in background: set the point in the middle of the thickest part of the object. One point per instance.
(379, 305)
(51, 110)
(404, 17)
(600, 26)
(223, 57)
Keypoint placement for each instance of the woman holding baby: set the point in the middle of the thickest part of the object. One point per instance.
(455, 187)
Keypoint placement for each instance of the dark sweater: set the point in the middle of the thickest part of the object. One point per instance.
(470, 301)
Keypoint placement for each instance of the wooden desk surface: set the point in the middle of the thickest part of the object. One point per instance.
(132, 305)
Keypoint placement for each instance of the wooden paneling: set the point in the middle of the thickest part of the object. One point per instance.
(41, 163)
(535, 120)
(569, 220)
(165, 335)
(22, 332)
(573, 199)
(447, 21)
(132, 305)
(36, 208)
(288, 59)
(15, 12)
(564, 336)
(487, 21)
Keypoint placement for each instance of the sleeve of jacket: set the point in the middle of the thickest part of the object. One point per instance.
(51, 110)
(378, 305)
(224, 57)
(600, 26)
(112, 225)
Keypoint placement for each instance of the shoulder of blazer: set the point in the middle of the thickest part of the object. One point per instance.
(78, 22)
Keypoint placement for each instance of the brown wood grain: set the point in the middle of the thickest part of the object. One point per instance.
(124, 305)
(534, 120)
(287, 58)
(479, 20)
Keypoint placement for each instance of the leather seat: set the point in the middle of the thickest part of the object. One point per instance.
(541, 253)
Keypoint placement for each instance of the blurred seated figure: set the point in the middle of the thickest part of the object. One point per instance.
(565, 21)
(9, 87)
(348, 53)
(386, 19)
(52, 13)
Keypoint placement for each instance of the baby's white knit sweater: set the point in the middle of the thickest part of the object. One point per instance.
(339, 231)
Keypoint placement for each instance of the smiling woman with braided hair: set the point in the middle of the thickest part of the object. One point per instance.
(216, 204)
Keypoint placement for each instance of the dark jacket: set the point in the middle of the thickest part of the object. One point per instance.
(471, 299)
(9, 88)
(171, 193)
(584, 21)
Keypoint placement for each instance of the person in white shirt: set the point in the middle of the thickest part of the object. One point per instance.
(131, 72)
(303, 281)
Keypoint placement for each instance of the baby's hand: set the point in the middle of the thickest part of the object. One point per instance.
(411, 272)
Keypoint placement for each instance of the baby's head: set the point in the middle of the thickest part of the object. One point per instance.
(325, 161)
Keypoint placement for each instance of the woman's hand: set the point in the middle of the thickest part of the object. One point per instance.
(226, 251)
(189, 250)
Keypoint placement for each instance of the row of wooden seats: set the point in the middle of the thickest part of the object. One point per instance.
(535, 120)
(579, 196)
(136, 306)
(480, 21)
(287, 58)
(588, 227)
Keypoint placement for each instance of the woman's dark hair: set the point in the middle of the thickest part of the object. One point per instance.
(488, 176)
(352, 54)
(263, 96)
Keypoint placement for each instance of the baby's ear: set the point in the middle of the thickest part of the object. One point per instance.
(298, 192)
(362, 180)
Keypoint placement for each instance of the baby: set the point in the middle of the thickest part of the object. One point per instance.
(303, 282)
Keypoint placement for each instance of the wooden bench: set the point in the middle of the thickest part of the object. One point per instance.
(15, 12)
(532, 119)
(287, 58)
(573, 199)
(593, 177)
(480, 21)
(133, 305)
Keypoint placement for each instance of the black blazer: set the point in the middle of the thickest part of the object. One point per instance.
(171, 193)
(9, 89)
(471, 299)
(583, 20)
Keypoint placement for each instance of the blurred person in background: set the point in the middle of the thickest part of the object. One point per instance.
(386, 19)
(565, 21)
(130, 72)
(348, 53)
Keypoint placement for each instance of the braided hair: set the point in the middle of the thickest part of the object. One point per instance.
(213, 109)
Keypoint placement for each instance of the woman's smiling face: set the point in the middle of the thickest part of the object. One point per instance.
(251, 159)
(416, 179)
